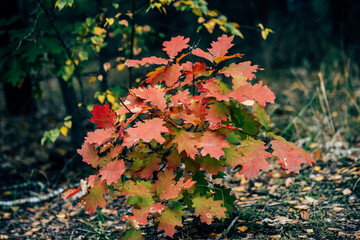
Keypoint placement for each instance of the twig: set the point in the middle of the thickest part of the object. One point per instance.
(228, 229)
(322, 86)
(32, 29)
(122, 103)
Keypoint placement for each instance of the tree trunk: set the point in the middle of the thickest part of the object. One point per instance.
(76, 112)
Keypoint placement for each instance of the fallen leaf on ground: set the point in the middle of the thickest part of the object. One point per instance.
(304, 215)
(242, 228)
(346, 192)
(309, 230)
(302, 207)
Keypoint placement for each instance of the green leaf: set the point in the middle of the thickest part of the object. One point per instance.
(224, 194)
(244, 120)
(132, 234)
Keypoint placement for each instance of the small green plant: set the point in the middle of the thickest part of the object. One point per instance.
(192, 115)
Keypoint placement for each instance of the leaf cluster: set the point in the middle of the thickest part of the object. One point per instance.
(190, 118)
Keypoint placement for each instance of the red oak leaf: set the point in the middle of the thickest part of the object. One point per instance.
(213, 89)
(147, 131)
(103, 116)
(221, 46)
(169, 219)
(166, 187)
(172, 74)
(240, 69)
(140, 216)
(94, 198)
(289, 155)
(156, 76)
(131, 188)
(99, 136)
(112, 171)
(89, 154)
(179, 97)
(68, 193)
(132, 103)
(147, 60)
(251, 156)
(200, 53)
(259, 93)
(151, 94)
(216, 113)
(207, 209)
(186, 141)
(212, 143)
(175, 45)
(157, 208)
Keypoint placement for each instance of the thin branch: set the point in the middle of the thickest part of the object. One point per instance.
(228, 229)
(66, 48)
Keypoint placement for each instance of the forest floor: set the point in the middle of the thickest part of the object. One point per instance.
(322, 202)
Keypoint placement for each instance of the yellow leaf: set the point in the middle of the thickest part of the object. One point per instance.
(110, 98)
(120, 67)
(98, 31)
(68, 124)
(101, 98)
(64, 130)
(242, 228)
(317, 168)
(118, 15)
(92, 79)
(201, 20)
(319, 178)
(210, 26)
(68, 62)
(109, 21)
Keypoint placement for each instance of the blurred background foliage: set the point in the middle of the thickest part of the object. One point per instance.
(60, 57)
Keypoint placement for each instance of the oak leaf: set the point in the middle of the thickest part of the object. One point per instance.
(99, 136)
(147, 131)
(169, 219)
(289, 155)
(208, 209)
(172, 74)
(147, 60)
(251, 155)
(103, 116)
(94, 198)
(221, 46)
(175, 45)
(112, 171)
(166, 188)
(151, 94)
(89, 153)
(186, 141)
(212, 143)
(131, 188)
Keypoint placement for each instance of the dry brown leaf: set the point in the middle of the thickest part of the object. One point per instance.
(319, 178)
(306, 188)
(334, 229)
(309, 230)
(304, 215)
(346, 192)
(338, 209)
(302, 207)
(289, 182)
(275, 236)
